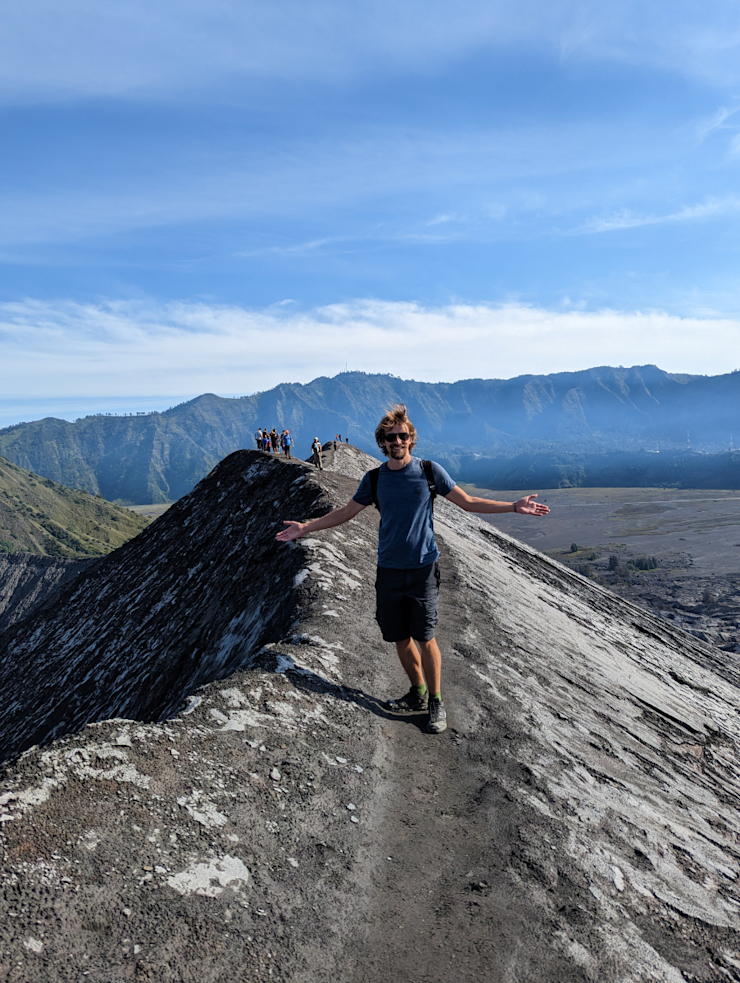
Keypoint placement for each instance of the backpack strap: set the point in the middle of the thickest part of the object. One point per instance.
(429, 475)
(374, 475)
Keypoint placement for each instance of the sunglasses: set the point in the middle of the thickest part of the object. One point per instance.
(392, 437)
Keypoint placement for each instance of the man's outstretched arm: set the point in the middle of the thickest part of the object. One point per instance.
(335, 518)
(524, 506)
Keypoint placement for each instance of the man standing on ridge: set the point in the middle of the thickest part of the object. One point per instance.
(407, 584)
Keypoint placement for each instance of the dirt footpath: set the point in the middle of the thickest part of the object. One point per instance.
(578, 821)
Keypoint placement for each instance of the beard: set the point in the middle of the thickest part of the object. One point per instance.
(398, 450)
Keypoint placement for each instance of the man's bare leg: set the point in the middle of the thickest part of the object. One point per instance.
(431, 660)
(418, 667)
(408, 653)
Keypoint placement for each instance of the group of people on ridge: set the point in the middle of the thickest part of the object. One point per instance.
(273, 442)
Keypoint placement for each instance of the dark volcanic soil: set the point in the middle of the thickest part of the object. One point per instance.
(28, 580)
(578, 821)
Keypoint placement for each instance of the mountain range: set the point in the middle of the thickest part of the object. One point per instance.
(570, 424)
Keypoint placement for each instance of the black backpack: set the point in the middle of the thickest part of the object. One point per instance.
(428, 474)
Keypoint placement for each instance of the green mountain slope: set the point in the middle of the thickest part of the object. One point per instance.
(40, 516)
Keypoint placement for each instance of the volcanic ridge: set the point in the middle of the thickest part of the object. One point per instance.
(201, 782)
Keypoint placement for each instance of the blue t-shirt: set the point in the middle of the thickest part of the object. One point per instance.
(406, 537)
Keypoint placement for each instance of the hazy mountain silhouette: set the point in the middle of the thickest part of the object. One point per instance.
(476, 427)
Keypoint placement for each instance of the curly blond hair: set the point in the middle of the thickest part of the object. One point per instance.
(395, 416)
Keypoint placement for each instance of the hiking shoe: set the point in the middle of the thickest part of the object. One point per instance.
(437, 717)
(412, 702)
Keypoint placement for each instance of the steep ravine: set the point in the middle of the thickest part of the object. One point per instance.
(578, 821)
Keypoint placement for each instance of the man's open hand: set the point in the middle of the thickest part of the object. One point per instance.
(527, 506)
(294, 531)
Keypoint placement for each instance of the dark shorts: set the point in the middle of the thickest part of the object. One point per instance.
(408, 602)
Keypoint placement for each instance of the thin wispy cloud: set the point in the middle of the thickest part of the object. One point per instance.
(358, 241)
(717, 121)
(443, 219)
(713, 208)
(143, 50)
(296, 249)
(318, 180)
(423, 237)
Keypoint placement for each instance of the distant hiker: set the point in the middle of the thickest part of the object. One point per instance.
(317, 455)
(274, 440)
(407, 586)
(266, 442)
(258, 438)
(287, 442)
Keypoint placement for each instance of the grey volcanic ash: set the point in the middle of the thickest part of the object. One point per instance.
(253, 812)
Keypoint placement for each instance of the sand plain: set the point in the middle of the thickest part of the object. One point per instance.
(694, 535)
(703, 525)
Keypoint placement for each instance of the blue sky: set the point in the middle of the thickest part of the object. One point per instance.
(219, 196)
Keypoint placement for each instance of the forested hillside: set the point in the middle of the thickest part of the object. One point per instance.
(482, 430)
(40, 516)
(619, 469)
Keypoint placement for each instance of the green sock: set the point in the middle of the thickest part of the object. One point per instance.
(421, 690)
(436, 696)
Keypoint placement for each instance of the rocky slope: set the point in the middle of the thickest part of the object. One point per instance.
(28, 580)
(707, 607)
(578, 821)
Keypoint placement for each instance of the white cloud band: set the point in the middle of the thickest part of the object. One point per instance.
(134, 349)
